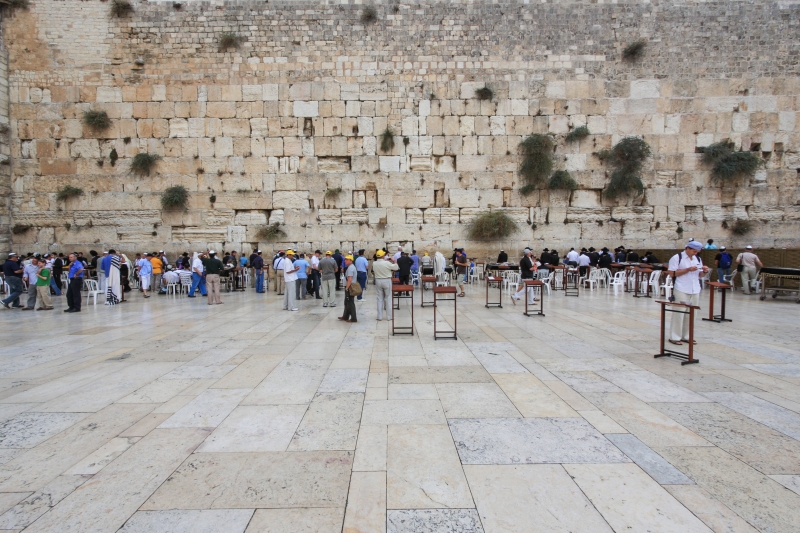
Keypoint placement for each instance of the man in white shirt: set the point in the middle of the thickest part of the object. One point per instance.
(277, 266)
(383, 271)
(398, 253)
(572, 256)
(688, 270)
(315, 273)
(751, 264)
(289, 278)
(583, 262)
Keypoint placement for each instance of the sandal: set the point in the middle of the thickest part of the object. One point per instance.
(679, 343)
(693, 342)
(462, 295)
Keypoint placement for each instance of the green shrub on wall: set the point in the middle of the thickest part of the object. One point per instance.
(491, 225)
(627, 158)
(561, 179)
(271, 232)
(728, 165)
(581, 132)
(537, 161)
(176, 197)
(68, 192)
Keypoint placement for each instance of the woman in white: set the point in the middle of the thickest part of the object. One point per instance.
(688, 269)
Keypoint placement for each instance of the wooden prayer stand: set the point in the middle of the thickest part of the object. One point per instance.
(641, 274)
(572, 282)
(676, 308)
(629, 271)
(497, 281)
(529, 288)
(438, 292)
(424, 280)
(403, 292)
(563, 270)
(711, 316)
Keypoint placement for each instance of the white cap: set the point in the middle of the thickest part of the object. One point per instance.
(212, 252)
(161, 251)
(748, 247)
(257, 251)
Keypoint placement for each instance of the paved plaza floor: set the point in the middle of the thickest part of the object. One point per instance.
(169, 415)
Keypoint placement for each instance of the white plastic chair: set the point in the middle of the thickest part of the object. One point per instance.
(705, 279)
(547, 280)
(443, 280)
(473, 276)
(557, 278)
(172, 288)
(729, 279)
(415, 278)
(186, 281)
(92, 290)
(655, 278)
(512, 281)
(605, 277)
(618, 281)
(666, 287)
(594, 279)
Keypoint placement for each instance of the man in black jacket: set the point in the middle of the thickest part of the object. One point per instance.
(503, 257)
(526, 269)
(12, 271)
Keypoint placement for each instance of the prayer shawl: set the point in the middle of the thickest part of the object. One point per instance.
(114, 290)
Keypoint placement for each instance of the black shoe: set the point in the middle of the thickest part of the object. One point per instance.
(68, 310)
(74, 311)
(189, 296)
(5, 305)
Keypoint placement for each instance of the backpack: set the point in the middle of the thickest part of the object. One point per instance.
(725, 260)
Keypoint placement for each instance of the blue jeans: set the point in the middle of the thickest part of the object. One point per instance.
(55, 286)
(15, 289)
(722, 272)
(259, 280)
(362, 280)
(198, 281)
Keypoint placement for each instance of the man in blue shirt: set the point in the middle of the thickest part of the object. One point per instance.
(105, 268)
(257, 262)
(75, 284)
(301, 288)
(12, 271)
(414, 263)
(145, 273)
(362, 267)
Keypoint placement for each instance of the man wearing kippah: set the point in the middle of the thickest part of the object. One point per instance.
(688, 269)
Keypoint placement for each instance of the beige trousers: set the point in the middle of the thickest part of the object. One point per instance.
(212, 286)
(44, 296)
(679, 327)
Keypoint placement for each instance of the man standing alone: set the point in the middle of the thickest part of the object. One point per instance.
(214, 268)
(349, 301)
(362, 266)
(289, 280)
(751, 263)
(277, 266)
(257, 262)
(327, 268)
(382, 270)
(688, 270)
(75, 283)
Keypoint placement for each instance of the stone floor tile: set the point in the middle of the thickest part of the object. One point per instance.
(532, 397)
(769, 414)
(376, 393)
(500, 363)
(179, 521)
(209, 409)
(783, 369)
(292, 382)
(650, 388)
(371, 449)
(31, 508)
(366, 503)
(434, 521)
(344, 380)
(777, 400)
(403, 412)
(518, 498)
(711, 383)
(763, 448)
(10, 499)
(256, 480)
(759, 500)
(630, 500)
(109, 498)
(649, 425)
(197, 371)
(174, 405)
(330, 423)
(158, 391)
(602, 422)
(572, 398)
(790, 482)
(766, 383)
(501, 441)
(587, 382)
(423, 391)
(95, 461)
(309, 520)
(649, 461)
(475, 400)
(255, 428)
(249, 373)
(713, 513)
(423, 469)
(439, 374)
(26, 430)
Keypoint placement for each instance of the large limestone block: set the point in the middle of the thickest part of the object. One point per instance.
(87, 148)
(645, 89)
(290, 199)
(372, 91)
(639, 213)
(414, 216)
(109, 94)
(585, 198)
(330, 216)
(236, 127)
(766, 213)
(471, 163)
(236, 234)
(178, 127)
(355, 216)
(468, 89)
(390, 163)
(306, 109)
(200, 235)
(250, 218)
(221, 109)
(588, 214)
(464, 198)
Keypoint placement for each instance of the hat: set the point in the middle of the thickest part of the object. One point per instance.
(426, 253)
(527, 250)
(546, 250)
(317, 251)
(289, 252)
(210, 251)
(161, 251)
(722, 248)
(748, 247)
(328, 253)
(501, 251)
(694, 245)
(12, 254)
(380, 253)
(604, 249)
(258, 251)
(350, 257)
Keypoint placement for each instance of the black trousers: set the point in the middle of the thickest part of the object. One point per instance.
(349, 307)
(74, 293)
(338, 279)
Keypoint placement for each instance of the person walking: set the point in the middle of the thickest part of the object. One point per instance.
(327, 268)
(75, 283)
(12, 272)
(350, 276)
(158, 270)
(362, 267)
(688, 269)
(289, 280)
(198, 276)
(114, 279)
(527, 266)
(42, 283)
(145, 274)
(723, 262)
(337, 256)
(316, 276)
(103, 268)
(257, 262)
(29, 273)
(214, 268)
(383, 270)
(750, 265)
(301, 287)
(277, 266)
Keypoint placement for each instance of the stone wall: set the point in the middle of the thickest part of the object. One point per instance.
(5, 151)
(258, 134)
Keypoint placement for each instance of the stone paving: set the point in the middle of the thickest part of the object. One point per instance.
(168, 415)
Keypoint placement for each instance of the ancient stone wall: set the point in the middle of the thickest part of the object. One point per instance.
(270, 131)
(5, 151)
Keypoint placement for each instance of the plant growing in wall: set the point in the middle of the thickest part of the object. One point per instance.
(17, 4)
(121, 8)
(176, 197)
(634, 51)
(562, 180)
(387, 140)
(333, 193)
(581, 132)
(369, 15)
(228, 40)
(19, 229)
(728, 165)
(537, 161)
(68, 192)
(491, 225)
(143, 163)
(271, 232)
(627, 158)
(741, 227)
(113, 156)
(97, 120)
(484, 93)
